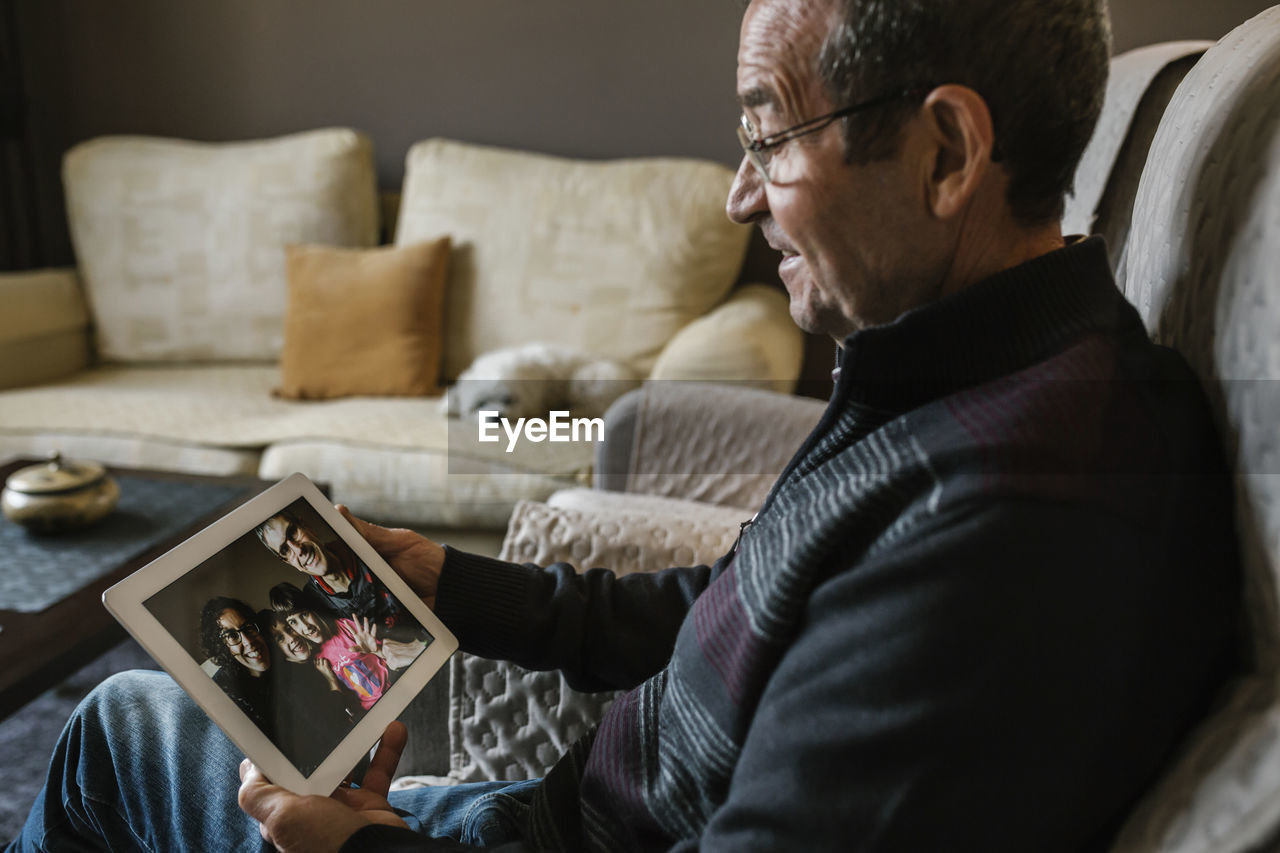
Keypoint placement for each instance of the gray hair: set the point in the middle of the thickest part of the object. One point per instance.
(1041, 66)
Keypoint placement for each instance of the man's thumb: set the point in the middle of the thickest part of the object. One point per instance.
(370, 532)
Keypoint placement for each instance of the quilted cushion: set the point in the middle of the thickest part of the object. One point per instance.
(608, 257)
(506, 722)
(181, 244)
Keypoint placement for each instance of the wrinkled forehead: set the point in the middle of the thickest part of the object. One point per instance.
(273, 532)
(778, 50)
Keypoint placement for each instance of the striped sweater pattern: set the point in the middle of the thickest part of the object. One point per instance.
(915, 607)
(661, 761)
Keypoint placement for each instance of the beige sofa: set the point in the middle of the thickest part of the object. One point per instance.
(1183, 178)
(160, 350)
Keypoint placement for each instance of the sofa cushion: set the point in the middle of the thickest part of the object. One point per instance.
(392, 458)
(609, 257)
(748, 339)
(364, 321)
(181, 244)
(43, 327)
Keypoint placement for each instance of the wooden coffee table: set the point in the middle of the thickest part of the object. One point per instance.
(39, 650)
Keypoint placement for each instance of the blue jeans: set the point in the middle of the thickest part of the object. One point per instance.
(140, 766)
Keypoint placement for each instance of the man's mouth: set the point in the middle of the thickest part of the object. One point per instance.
(789, 260)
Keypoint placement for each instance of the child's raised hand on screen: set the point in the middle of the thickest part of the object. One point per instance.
(364, 636)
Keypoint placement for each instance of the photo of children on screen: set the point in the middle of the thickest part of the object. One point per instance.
(295, 629)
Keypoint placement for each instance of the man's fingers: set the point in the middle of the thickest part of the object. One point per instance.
(372, 533)
(362, 527)
(258, 798)
(382, 769)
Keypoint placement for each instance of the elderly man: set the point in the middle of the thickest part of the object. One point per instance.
(337, 581)
(988, 597)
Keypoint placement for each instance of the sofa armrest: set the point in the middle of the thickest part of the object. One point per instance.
(710, 443)
(509, 723)
(44, 326)
(747, 339)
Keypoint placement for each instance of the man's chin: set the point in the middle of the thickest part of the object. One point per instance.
(803, 315)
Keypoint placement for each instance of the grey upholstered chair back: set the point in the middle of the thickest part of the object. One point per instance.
(1203, 267)
(1139, 89)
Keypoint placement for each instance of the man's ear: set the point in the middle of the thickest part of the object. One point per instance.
(959, 128)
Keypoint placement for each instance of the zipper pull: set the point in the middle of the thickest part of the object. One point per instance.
(742, 528)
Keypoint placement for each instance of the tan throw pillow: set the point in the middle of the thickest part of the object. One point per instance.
(364, 322)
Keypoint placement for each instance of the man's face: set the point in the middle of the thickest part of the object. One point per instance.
(296, 545)
(294, 648)
(853, 254)
(305, 625)
(243, 640)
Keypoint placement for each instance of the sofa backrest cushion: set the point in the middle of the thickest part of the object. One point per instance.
(181, 244)
(1203, 253)
(612, 258)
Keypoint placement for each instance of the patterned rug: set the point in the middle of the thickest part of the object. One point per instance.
(27, 737)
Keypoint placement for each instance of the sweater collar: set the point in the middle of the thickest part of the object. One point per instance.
(993, 328)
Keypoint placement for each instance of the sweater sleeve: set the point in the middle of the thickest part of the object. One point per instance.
(603, 631)
(1010, 678)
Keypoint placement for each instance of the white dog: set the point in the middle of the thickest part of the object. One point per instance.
(534, 379)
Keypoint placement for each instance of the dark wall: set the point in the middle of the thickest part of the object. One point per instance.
(586, 78)
(1138, 22)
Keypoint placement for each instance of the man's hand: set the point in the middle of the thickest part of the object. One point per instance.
(323, 824)
(415, 558)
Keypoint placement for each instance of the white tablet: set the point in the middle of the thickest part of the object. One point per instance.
(289, 630)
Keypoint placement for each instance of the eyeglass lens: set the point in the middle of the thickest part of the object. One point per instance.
(759, 159)
(232, 636)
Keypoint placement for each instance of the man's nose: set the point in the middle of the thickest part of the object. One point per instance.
(747, 201)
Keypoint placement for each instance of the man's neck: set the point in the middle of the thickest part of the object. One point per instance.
(339, 577)
(982, 256)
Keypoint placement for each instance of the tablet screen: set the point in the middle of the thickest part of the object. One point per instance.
(295, 629)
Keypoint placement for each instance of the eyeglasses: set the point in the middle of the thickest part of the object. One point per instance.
(759, 150)
(236, 636)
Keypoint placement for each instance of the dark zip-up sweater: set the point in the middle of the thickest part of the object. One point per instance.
(978, 611)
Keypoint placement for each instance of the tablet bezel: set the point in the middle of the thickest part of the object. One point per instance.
(126, 602)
